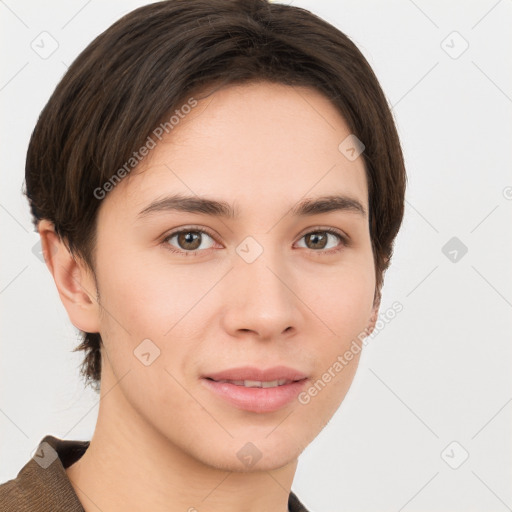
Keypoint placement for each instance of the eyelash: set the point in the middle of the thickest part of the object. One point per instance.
(343, 239)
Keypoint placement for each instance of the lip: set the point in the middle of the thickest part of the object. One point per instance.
(258, 400)
(253, 373)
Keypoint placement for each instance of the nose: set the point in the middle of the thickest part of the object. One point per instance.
(262, 298)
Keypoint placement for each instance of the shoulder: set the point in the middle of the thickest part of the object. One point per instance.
(42, 484)
(20, 493)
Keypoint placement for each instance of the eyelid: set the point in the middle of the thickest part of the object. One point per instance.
(190, 227)
(328, 229)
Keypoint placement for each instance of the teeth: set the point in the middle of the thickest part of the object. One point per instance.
(258, 383)
(271, 384)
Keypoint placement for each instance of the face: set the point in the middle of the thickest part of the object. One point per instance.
(188, 292)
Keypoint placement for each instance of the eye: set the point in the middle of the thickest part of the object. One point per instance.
(318, 240)
(188, 241)
(192, 241)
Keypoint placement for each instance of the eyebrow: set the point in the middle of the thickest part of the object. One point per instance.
(217, 208)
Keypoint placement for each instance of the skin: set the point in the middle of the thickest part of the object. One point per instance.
(163, 442)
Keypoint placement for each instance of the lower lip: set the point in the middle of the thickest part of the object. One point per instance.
(256, 399)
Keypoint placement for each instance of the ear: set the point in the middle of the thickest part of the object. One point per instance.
(75, 283)
(374, 314)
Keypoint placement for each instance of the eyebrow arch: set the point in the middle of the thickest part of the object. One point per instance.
(215, 208)
(326, 204)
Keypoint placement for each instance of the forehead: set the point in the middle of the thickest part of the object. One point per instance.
(261, 143)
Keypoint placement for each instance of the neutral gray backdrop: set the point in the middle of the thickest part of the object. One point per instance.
(427, 422)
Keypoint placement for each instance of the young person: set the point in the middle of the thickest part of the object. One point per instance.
(217, 186)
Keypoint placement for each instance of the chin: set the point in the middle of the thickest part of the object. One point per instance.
(250, 454)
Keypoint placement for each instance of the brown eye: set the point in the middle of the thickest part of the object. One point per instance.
(317, 240)
(188, 241)
(324, 240)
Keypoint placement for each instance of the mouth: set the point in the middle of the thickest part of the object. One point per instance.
(257, 383)
(251, 376)
(261, 395)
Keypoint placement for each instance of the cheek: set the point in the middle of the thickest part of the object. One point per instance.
(343, 300)
(142, 295)
(156, 302)
(344, 304)
(141, 305)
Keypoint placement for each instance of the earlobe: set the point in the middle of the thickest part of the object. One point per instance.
(75, 283)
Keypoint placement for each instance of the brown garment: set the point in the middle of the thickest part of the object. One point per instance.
(42, 485)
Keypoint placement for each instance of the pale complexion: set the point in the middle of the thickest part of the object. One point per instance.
(163, 442)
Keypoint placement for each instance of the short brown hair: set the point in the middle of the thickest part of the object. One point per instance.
(145, 65)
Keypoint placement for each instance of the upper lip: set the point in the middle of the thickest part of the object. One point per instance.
(258, 374)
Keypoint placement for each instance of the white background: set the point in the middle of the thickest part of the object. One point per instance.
(437, 373)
